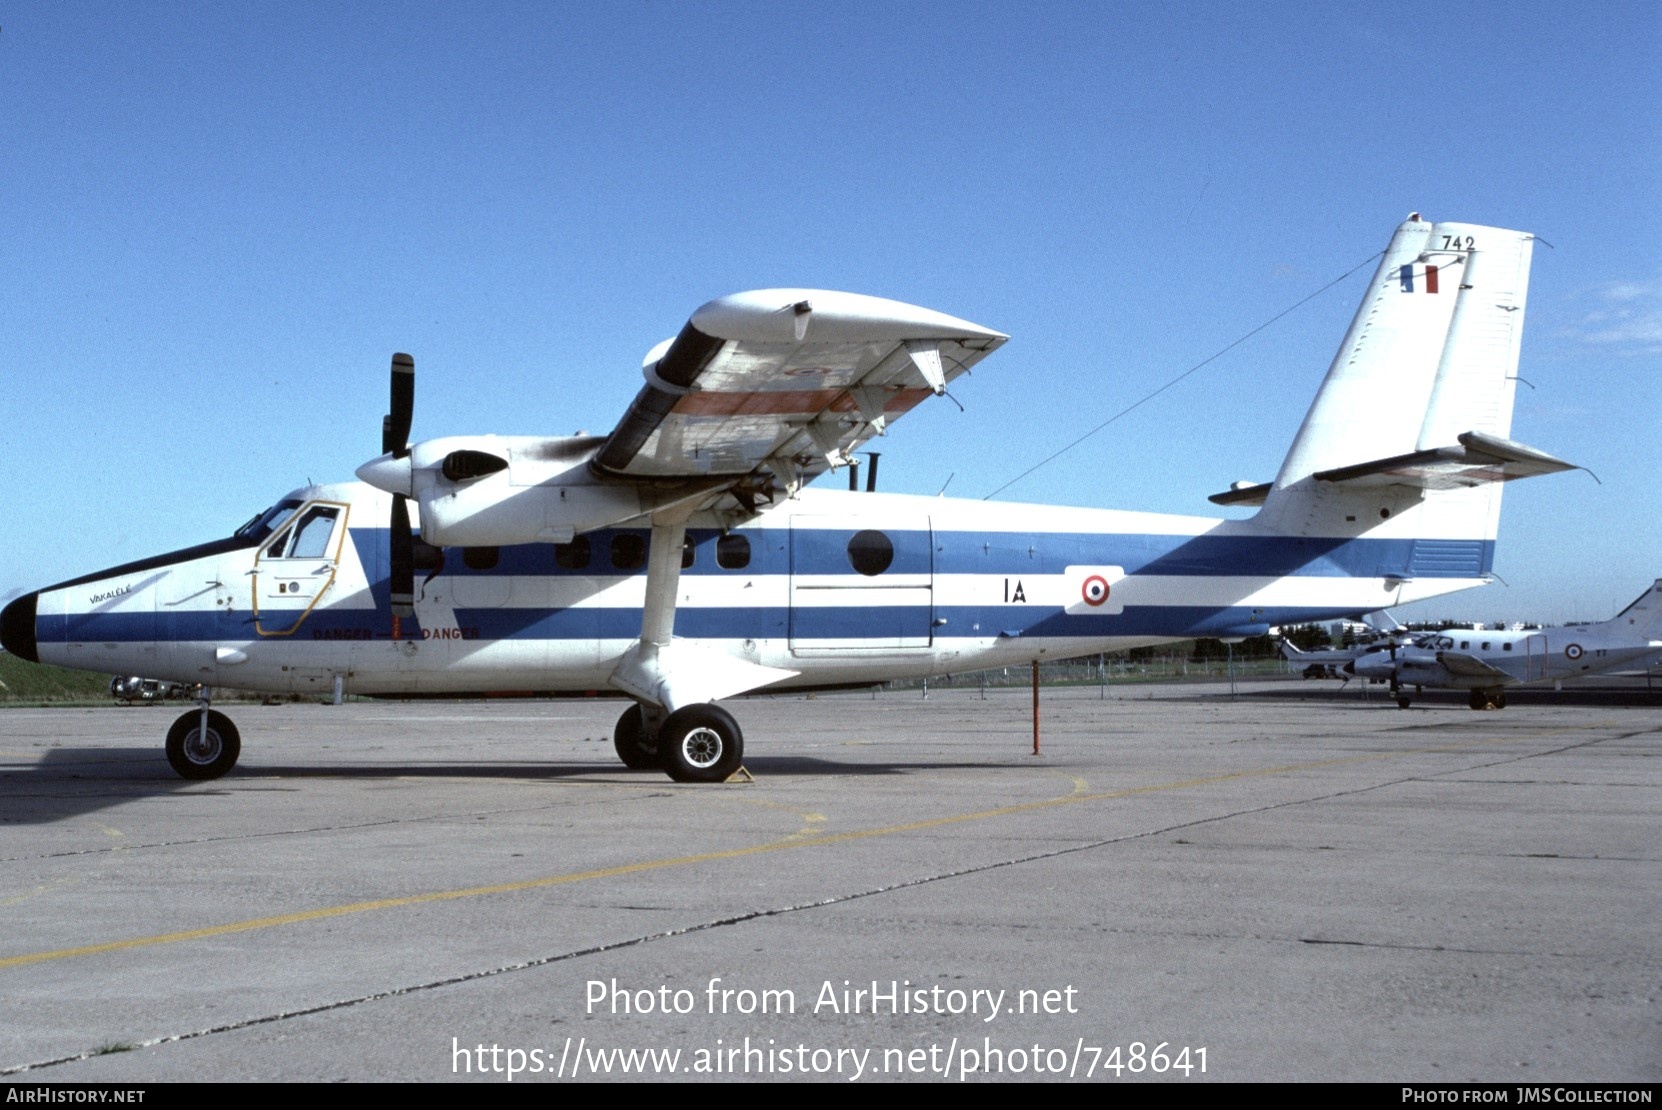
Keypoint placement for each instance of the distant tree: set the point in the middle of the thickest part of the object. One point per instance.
(1157, 651)
(1253, 647)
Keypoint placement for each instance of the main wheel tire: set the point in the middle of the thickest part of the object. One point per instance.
(1402, 701)
(638, 750)
(1477, 699)
(1500, 699)
(198, 755)
(701, 743)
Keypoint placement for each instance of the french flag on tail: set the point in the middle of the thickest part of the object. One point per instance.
(1427, 279)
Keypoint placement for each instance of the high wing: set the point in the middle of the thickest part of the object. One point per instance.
(760, 393)
(787, 382)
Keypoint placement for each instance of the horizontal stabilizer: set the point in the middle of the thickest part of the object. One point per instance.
(1243, 493)
(1476, 460)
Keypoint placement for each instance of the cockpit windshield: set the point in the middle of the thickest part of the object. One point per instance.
(263, 524)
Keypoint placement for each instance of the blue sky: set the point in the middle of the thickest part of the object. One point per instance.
(223, 218)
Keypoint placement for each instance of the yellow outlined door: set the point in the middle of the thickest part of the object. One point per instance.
(296, 567)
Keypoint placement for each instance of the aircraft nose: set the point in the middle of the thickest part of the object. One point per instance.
(17, 627)
(387, 472)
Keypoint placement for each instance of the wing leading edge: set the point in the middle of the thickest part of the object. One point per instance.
(786, 381)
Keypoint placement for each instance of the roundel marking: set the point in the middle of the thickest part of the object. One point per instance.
(1573, 651)
(1095, 590)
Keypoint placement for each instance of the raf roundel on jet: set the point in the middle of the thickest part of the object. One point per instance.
(684, 559)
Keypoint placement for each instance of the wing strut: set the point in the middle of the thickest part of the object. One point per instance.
(665, 674)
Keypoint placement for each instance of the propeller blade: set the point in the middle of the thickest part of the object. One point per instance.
(395, 429)
(403, 559)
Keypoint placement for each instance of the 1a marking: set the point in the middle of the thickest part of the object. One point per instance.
(1019, 594)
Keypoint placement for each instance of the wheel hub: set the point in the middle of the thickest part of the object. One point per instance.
(703, 747)
(202, 747)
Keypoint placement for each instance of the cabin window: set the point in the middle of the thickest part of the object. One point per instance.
(628, 551)
(870, 552)
(1485, 645)
(1506, 647)
(573, 555)
(733, 552)
(480, 558)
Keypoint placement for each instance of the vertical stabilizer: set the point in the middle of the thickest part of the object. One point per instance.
(1406, 442)
(1644, 616)
(1431, 354)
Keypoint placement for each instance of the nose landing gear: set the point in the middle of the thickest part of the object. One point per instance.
(203, 744)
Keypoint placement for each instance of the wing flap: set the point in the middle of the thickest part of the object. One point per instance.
(786, 380)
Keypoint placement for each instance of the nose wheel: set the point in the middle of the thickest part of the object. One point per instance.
(203, 744)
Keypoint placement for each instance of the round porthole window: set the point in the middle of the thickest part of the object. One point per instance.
(870, 552)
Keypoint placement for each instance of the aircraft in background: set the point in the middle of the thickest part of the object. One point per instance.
(1383, 632)
(1486, 662)
(680, 559)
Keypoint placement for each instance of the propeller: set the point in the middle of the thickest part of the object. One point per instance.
(395, 441)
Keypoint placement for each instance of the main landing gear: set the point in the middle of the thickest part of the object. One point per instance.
(696, 743)
(203, 744)
(1494, 698)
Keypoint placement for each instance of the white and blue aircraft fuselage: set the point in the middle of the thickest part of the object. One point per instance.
(681, 560)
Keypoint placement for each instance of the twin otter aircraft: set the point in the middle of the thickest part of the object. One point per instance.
(680, 560)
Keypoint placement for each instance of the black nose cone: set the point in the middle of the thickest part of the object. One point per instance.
(17, 627)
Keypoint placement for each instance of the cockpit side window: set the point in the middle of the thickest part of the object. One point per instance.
(311, 535)
(305, 538)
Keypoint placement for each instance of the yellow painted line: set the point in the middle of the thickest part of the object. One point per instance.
(797, 841)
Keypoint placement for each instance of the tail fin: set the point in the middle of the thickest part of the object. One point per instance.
(1407, 438)
(1644, 616)
(1432, 353)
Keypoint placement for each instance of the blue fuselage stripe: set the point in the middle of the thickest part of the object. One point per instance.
(824, 551)
(918, 554)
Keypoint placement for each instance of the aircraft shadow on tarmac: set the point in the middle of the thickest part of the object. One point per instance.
(71, 782)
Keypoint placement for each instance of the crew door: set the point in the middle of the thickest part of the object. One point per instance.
(295, 569)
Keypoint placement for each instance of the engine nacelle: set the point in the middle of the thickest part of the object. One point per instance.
(498, 491)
